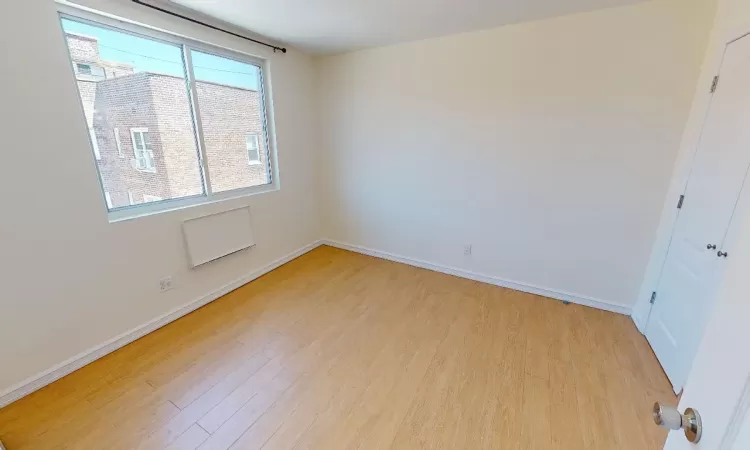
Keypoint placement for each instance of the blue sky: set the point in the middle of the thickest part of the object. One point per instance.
(153, 56)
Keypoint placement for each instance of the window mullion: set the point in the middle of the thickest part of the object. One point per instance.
(198, 124)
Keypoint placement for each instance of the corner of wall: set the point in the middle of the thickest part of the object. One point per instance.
(705, 13)
(323, 180)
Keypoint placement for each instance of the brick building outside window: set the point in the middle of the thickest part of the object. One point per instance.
(142, 130)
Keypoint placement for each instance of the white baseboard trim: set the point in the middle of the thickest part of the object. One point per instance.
(523, 287)
(58, 371)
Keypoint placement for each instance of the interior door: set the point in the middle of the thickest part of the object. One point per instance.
(718, 386)
(692, 268)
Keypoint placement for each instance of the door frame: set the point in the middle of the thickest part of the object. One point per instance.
(683, 167)
(740, 413)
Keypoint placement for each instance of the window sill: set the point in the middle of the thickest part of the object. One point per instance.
(154, 208)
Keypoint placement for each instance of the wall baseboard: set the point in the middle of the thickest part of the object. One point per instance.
(58, 371)
(523, 287)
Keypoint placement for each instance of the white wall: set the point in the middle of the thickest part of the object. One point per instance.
(70, 279)
(732, 17)
(547, 145)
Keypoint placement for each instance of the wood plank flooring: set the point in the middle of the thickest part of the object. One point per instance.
(336, 350)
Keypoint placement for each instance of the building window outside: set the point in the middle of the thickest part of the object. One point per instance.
(84, 69)
(223, 110)
(108, 199)
(144, 154)
(118, 144)
(253, 149)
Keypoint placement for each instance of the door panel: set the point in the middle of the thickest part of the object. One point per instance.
(718, 386)
(691, 270)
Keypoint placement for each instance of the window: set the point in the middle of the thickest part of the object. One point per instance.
(253, 150)
(144, 154)
(108, 199)
(84, 69)
(209, 137)
(118, 144)
(229, 95)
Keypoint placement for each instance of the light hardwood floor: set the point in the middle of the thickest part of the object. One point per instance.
(337, 350)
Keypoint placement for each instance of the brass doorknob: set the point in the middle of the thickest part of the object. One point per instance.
(668, 417)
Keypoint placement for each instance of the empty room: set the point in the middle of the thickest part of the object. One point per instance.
(359, 224)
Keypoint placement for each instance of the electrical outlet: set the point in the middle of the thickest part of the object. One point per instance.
(467, 249)
(165, 284)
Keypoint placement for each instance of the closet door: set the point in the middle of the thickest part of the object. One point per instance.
(696, 258)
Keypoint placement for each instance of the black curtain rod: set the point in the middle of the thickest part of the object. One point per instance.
(189, 19)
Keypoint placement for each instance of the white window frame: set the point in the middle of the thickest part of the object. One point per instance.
(258, 160)
(142, 131)
(116, 132)
(108, 199)
(77, 13)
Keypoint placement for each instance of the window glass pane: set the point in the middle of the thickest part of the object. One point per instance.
(229, 97)
(252, 141)
(137, 141)
(146, 136)
(141, 84)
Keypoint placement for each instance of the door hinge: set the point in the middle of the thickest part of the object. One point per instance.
(679, 202)
(714, 84)
(653, 297)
